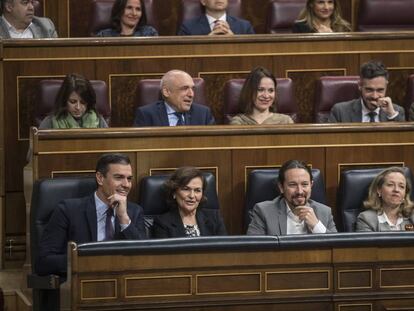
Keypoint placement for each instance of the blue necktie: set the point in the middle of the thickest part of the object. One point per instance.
(180, 118)
(372, 115)
(109, 229)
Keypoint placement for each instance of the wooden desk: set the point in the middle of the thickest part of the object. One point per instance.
(338, 272)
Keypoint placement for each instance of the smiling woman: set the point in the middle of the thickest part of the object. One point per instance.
(128, 19)
(187, 218)
(321, 16)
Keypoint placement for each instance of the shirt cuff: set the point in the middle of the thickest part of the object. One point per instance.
(394, 115)
(319, 228)
(124, 226)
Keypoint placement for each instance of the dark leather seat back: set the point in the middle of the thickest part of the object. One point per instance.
(47, 193)
(190, 9)
(281, 15)
(148, 92)
(262, 186)
(48, 90)
(286, 102)
(409, 96)
(385, 15)
(38, 8)
(331, 90)
(353, 190)
(152, 196)
(100, 16)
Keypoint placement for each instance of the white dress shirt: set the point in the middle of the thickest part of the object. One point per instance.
(15, 34)
(383, 218)
(296, 226)
(212, 20)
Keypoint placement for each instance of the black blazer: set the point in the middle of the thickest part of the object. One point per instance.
(200, 26)
(75, 220)
(170, 225)
(156, 115)
(301, 27)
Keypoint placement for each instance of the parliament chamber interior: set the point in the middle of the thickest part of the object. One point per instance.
(344, 271)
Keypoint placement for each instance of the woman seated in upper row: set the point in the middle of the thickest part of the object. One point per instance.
(128, 19)
(74, 106)
(321, 16)
(389, 207)
(257, 100)
(187, 218)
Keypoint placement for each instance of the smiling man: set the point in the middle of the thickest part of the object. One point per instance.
(18, 21)
(102, 216)
(292, 212)
(373, 105)
(177, 106)
(215, 21)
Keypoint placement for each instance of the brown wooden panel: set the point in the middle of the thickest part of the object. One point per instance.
(352, 279)
(291, 281)
(158, 286)
(98, 289)
(397, 277)
(229, 283)
(355, 306)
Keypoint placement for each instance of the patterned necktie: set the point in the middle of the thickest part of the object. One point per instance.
(109, 229)
(180, 118)
(372, 115)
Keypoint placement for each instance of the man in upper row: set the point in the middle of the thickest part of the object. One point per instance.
(215, 21)
(18, 21)
(177, 107)
(373, 105)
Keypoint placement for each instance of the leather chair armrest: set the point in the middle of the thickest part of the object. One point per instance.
(43, 282)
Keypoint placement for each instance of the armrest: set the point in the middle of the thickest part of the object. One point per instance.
(43, 282)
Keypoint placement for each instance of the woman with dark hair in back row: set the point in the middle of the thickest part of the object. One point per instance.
(128, 18)
(321, 16)
(74, 106)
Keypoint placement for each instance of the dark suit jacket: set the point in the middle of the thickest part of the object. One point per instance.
(156, 115)
(75, 220)
(170, 225)
(351, 111)
(200, 26)
(41, 27)
(301, 27)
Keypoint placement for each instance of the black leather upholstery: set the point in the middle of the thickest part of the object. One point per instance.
(152, 196)
(47, 193)
(353, 190)
(262, 186)
(237, 243)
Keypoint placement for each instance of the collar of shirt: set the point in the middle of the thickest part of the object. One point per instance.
(383, 218)
(293, 224)
(101, 208)
(172, 118)
(15, 34)
(365, 111)
(212, 20)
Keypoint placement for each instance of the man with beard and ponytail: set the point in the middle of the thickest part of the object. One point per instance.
(292, 212)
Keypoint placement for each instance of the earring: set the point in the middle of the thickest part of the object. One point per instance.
(379, 195)
(174, 196)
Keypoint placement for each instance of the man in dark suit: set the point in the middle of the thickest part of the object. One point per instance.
(177, 108)
(292, 212)
(104, 215)
(18, 21)
(215, 21)
(373, 105)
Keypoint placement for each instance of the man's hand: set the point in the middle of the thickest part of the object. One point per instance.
(306, 214)
(221, 28)
(385, 103)
(119, 203)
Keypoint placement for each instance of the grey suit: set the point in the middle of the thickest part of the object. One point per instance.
(41, 27)
(351, 111)
(368, 221)
(270, 217)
